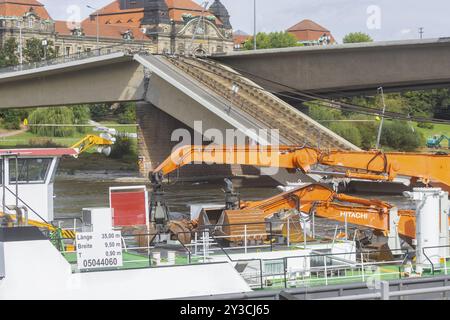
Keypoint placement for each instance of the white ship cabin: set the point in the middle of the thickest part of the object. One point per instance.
(27, 177)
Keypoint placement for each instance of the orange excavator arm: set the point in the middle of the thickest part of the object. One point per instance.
(371, 165)
(325, 203)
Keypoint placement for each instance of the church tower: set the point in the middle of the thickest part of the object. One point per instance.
(221, 12)
(131, 4)
(156, 12)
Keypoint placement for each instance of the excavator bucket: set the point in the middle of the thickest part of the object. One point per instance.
(181, 231)
(296, 233)
(240, 224)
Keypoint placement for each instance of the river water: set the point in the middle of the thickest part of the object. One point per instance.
(72, 195)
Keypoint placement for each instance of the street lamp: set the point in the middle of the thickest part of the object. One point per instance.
(380, 129)
(45, 45)
(98, 28)
(254, 24)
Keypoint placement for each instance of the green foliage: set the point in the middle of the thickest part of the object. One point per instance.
(399, 136)
(396, 135)
(318, 112)
(357, 37)
(426, 103)
(348, 131)
(61, 115)
(425, 125)
(81, 115)
(368, 132)
(34, 51)
(272, 40)
(99, 111)
(11, 119)
(127, 113)
(122, 147)
(8, 55)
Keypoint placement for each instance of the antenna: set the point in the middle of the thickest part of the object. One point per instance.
(200, 20)
(421, 32)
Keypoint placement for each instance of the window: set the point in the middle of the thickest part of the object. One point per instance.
(275, 267)
(319, 261)
(33, 170)
(57, 50)
(67, 51)
(30, 23)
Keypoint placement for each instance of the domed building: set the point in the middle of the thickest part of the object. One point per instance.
(159, 26)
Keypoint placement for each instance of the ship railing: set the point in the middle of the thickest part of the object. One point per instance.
(442, 265)
(297, 271)
(70, 223)
(246, 241)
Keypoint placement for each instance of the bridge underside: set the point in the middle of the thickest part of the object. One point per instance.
(117, 79)
(349, 69)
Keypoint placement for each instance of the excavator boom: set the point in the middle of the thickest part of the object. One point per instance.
(325, 203)
(90, 141)
(431, 169)
(371, 165)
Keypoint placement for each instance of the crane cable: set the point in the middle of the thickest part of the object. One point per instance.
(320, 100)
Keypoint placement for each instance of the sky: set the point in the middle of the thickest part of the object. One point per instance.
(382, 19)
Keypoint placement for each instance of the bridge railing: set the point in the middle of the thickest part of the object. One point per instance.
(65, 58)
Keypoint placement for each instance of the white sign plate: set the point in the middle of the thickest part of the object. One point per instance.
(99, 250)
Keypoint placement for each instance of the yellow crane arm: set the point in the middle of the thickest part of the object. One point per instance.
(66, 234)
(90, 141)
(370, 165)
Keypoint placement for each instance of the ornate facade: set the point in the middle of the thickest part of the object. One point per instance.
(159, 26)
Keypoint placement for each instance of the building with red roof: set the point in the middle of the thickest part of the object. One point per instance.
(309, 32)
(239, 39)
(159, 26)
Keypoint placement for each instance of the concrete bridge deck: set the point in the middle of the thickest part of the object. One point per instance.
(348, 69)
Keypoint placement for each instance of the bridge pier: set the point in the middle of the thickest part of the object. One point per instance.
(155, 128)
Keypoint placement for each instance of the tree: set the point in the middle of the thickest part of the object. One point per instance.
(400, 136)
(426, 103)
(126, 113)
(35, 51)
(62, 115)
(81, 115)
(347, 131)
(357, 37)
(11, 118)
(272, 40)
(122, 147)
(99, 111)
(8, 55)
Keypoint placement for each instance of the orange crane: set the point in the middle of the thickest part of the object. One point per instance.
(431, 169)
(323, 202)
